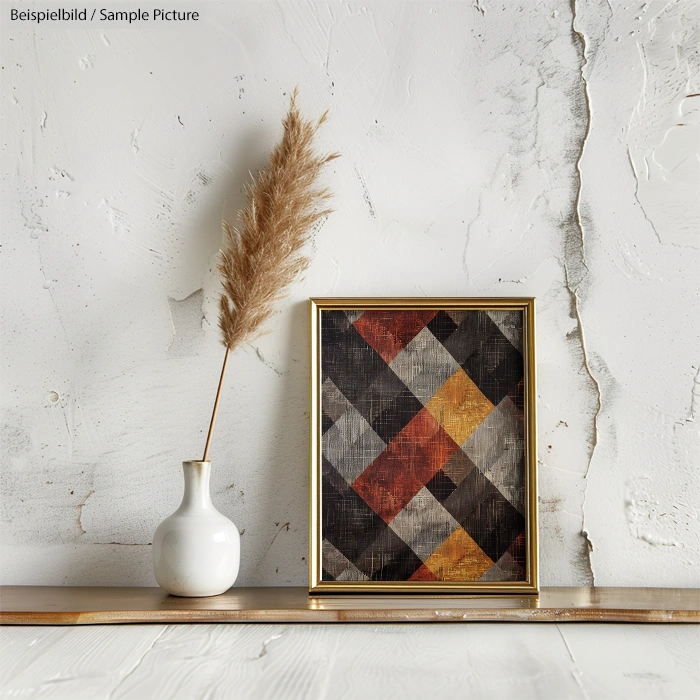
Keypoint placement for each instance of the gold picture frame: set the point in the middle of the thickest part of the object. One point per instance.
(525, 582)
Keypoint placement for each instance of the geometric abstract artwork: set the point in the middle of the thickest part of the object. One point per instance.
(424, 446)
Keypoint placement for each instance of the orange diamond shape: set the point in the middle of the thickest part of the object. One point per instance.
(458, 558)
(459, 407)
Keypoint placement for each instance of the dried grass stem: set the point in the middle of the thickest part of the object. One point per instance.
(264, 254)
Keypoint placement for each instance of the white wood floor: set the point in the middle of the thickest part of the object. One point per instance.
(332, 661)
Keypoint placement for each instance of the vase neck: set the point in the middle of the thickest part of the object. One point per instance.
(196, 485)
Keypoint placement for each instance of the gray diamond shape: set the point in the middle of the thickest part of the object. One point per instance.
(423, 524)
(424, 365)
(338, 565)
(499, 431)
(353, 314)
(510, 323)
(351, 445)
(458, 467)
(507, 474)
(333, 402)
(497, 448)
(505, 569)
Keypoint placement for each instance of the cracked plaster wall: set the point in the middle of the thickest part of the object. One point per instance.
(544, 150)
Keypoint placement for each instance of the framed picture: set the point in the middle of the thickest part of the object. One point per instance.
(423, 446)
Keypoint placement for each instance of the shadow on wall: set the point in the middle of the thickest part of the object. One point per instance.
(277, 544)
(225, 196)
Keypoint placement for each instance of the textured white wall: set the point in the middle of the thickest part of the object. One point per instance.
(489, 148)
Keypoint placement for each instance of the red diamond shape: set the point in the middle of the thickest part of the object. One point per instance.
(410, 461)
(423, 573)
(389, 332)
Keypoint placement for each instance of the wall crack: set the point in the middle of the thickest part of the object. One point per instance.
(694, 398)
(261, 357)
(574, 286)
(83, 531)
(581, 40)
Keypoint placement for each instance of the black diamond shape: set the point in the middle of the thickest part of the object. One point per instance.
(326, 423)
(346, 358)
(494, 524)
(398, 565)
(517, 395)
(464, 499)
(389, 552)
(348, 523)
(466, 339)
(442, 326)
(379, 395)
(441, 486)
(486, 355)
(496, 384)
(487, 516)
(517, 551)
(393, 419)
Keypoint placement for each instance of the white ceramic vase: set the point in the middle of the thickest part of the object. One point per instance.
(196, 550)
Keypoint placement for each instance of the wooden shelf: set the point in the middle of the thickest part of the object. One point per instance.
(43, 605)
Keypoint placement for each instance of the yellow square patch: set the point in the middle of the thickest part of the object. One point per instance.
(459, 406)
(458, 558)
